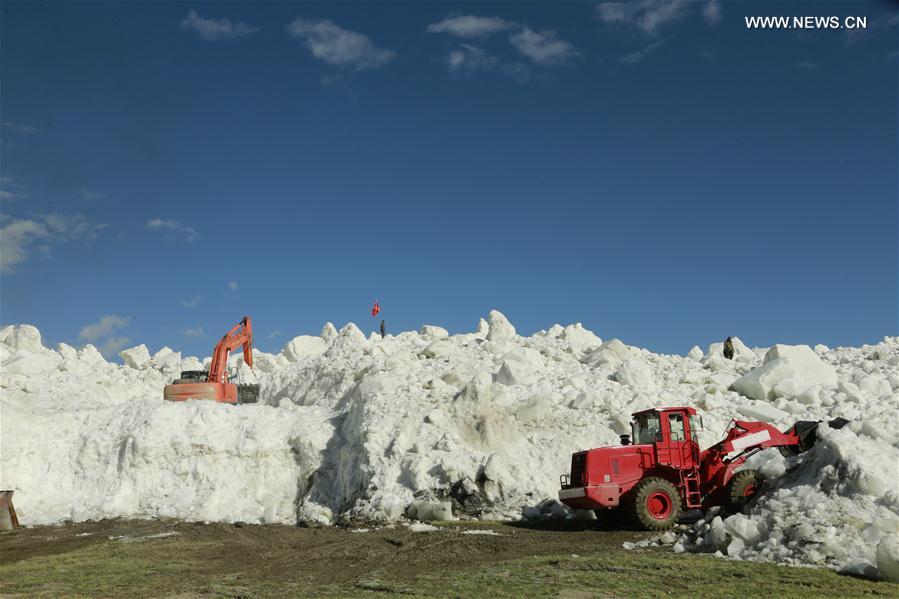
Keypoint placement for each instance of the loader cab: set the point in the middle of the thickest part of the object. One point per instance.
(671, 431)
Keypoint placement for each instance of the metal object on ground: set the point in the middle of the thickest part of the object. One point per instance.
(8, 518)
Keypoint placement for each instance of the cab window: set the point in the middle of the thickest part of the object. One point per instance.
(676, 425)
(646, 428)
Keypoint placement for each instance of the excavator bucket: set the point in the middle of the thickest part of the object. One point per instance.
(807, 433)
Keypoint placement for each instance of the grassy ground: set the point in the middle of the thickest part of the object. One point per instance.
(173, 559)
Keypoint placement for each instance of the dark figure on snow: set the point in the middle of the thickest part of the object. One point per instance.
(728, 349)
(383, 329)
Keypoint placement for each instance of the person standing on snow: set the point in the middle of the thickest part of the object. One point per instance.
(728, 349)
(383, 329)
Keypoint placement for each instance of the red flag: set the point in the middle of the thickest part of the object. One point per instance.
(375, 309)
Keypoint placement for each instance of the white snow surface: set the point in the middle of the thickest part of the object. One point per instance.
(426, 425)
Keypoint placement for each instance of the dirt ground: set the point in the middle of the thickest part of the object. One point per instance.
(327, 554)
(160, 558)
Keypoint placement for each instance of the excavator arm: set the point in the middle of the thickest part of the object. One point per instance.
(239, 335)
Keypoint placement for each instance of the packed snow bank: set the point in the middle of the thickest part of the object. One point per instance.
(432, 426)
(788, 370)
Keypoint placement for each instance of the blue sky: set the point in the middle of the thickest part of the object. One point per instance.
(654, 170)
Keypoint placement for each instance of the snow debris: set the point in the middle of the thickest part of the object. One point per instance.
(433, 332)
(428, 426)
(136, 357)
(421, 527)
(788, 371)
(304, 346)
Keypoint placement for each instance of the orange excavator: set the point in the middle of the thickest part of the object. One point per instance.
(214, 384)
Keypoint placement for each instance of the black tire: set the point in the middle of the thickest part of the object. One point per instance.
(247, 393)
(654, 504)
(742, 487)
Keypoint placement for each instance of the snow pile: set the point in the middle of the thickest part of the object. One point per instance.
(431, 426)
(788, 370)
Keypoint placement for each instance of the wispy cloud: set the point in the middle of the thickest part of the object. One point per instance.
(174, 229)
(467, 58)
(711, 12)
(113, 346)
(652, 16)
(20, 128)
(639, 55)
(339, 47)
(876, 26)
(543, 47)
(18, 237)
(10, 190)
(470, 26)
(90, 194)
(192, 302)
(213, 30)
(807, 66)
(274, 334)
(194, 333)
(232, 286)
(104, 327)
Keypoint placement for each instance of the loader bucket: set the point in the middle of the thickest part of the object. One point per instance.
(807, 432)
(8, 518)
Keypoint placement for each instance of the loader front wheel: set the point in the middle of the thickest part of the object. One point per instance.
(742, 487)
(655, 504)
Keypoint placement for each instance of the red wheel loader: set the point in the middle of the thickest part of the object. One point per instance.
(212, 384)
(650, 478)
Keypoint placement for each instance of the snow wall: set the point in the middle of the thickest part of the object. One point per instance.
(431, 426)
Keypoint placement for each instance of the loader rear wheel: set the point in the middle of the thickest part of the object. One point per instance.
(743, 486)
(654, 504)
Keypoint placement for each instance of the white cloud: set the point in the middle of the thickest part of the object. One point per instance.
(543, 48)
(805, 65)
(649, 16)
(10, 190)
(469, 26)
(113, 346)
(175, 228)
(274, 334)
(195, 333)
(639, 55)
(19, 236)
(232, 286)
(102, 328)
(711, 12)
(216, 29)
(20, 128)
(468, 58)
(192, 302)
(339, 47)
